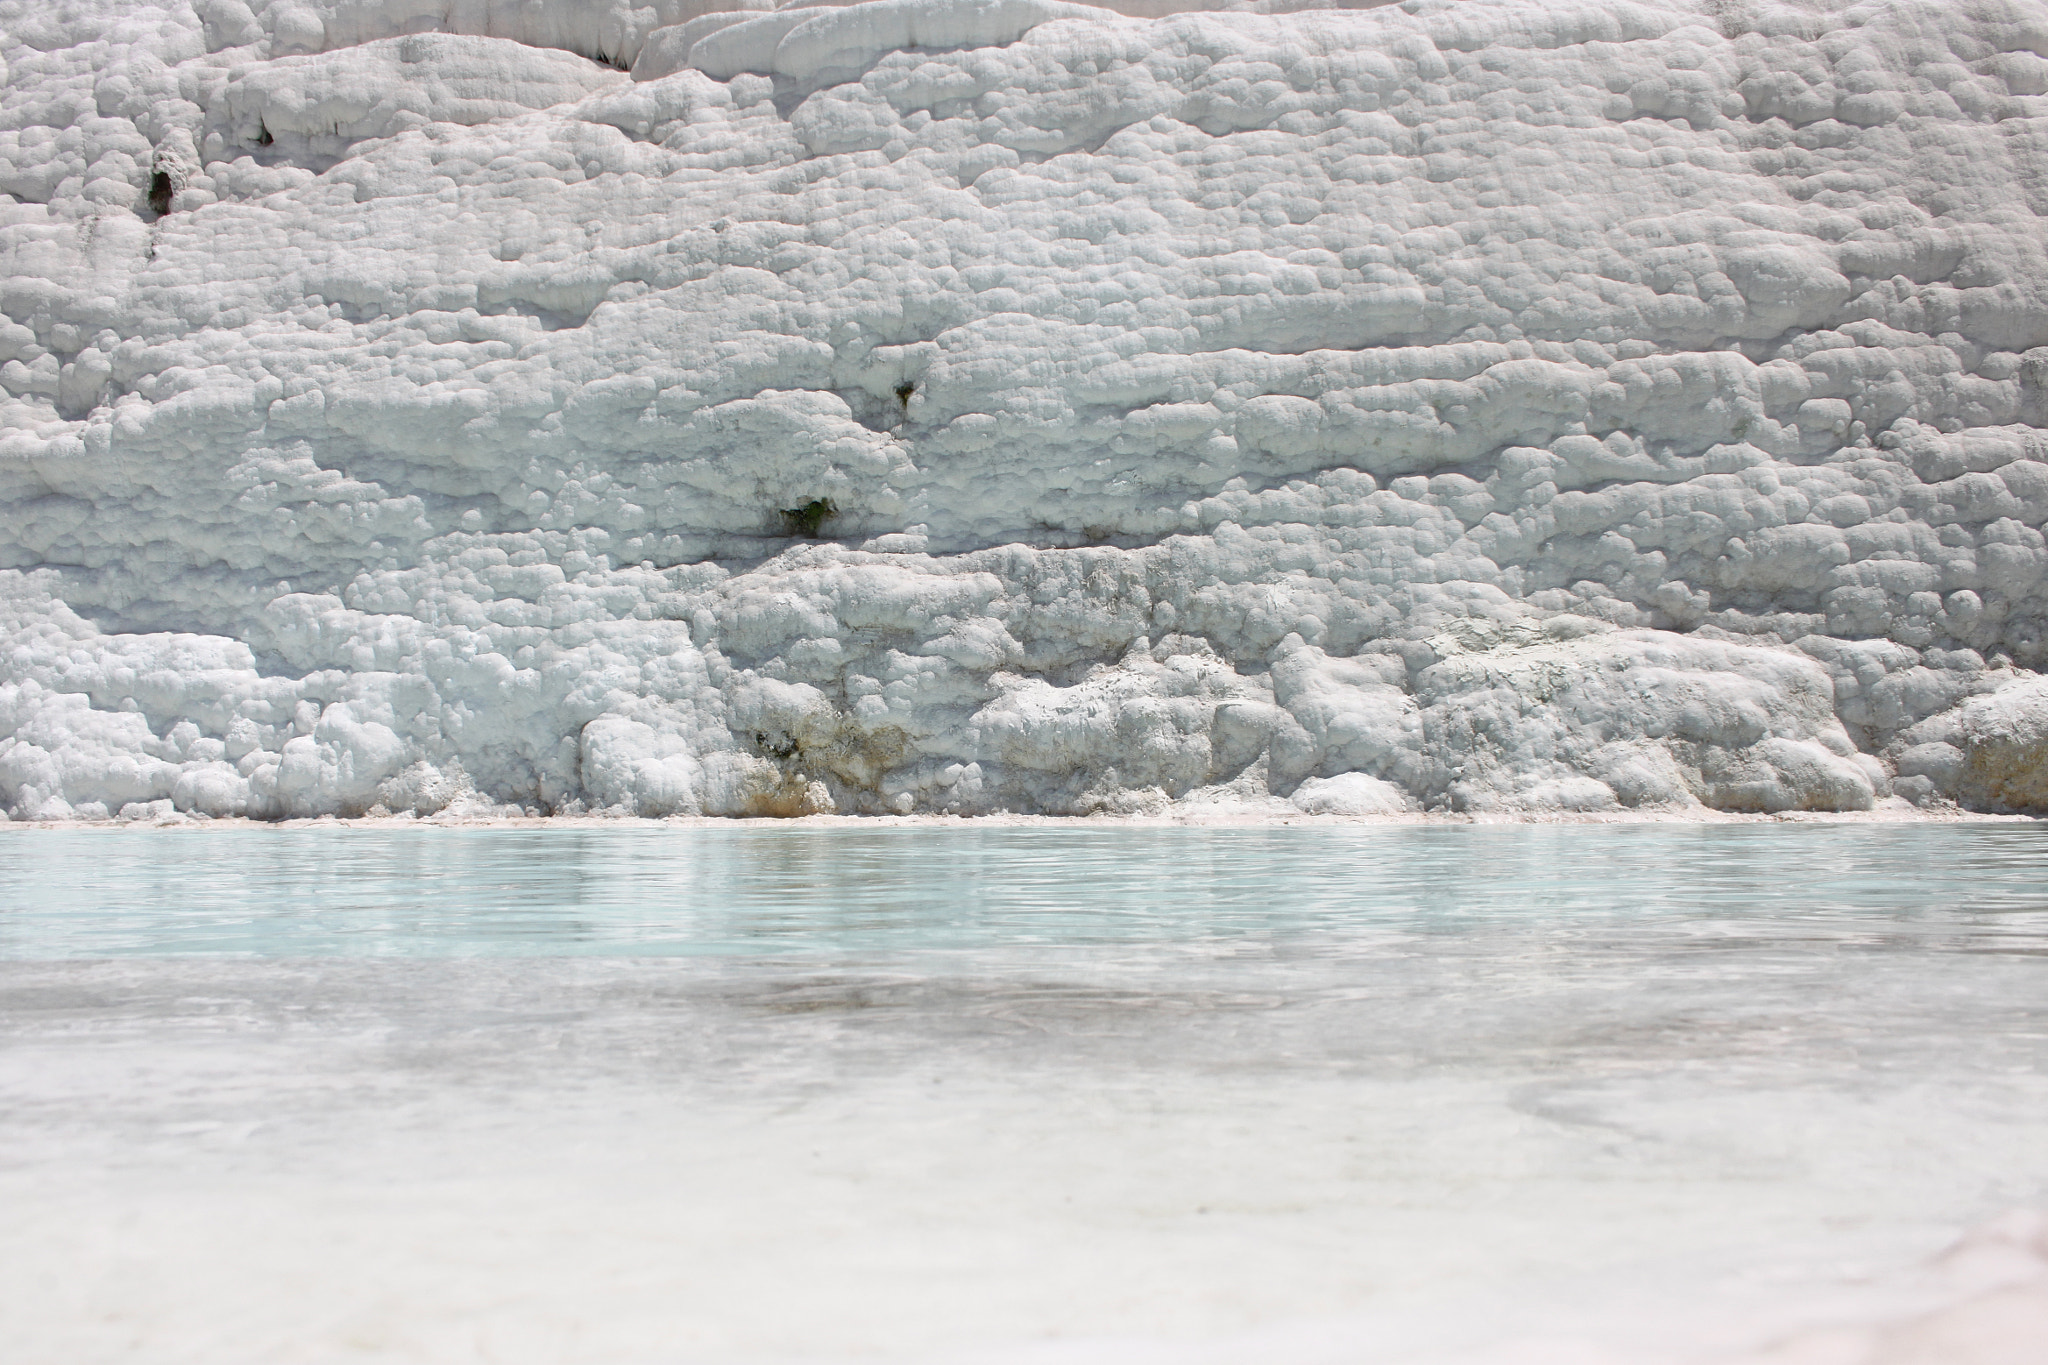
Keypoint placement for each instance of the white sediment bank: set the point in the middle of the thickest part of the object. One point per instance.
(1277, 814)
(1007, 405)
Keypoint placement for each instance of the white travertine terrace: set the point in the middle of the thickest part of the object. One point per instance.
(1493, 405)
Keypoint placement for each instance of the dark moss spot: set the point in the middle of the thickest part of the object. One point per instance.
(903, 392)
(805, 520)
(778, 746)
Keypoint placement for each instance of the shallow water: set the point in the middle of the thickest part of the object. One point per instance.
(958, 1093)
(830, 891)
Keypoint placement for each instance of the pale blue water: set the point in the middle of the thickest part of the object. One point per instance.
(635, 891)
(754, 1095)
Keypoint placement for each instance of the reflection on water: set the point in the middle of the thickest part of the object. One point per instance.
(821, 891)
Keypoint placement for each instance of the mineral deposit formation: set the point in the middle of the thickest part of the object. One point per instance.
(1016, 405)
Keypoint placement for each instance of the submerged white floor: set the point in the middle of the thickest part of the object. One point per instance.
(1535, 1094)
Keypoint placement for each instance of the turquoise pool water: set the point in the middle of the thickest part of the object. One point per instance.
(1380, 1096)
(820, 892)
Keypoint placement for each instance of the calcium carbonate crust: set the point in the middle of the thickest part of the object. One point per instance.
(969, 406)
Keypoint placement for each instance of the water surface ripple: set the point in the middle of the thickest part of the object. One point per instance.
(636, 891)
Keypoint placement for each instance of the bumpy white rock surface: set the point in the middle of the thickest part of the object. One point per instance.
(1492, 405)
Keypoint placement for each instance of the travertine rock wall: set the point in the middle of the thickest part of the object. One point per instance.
(1478, 405)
